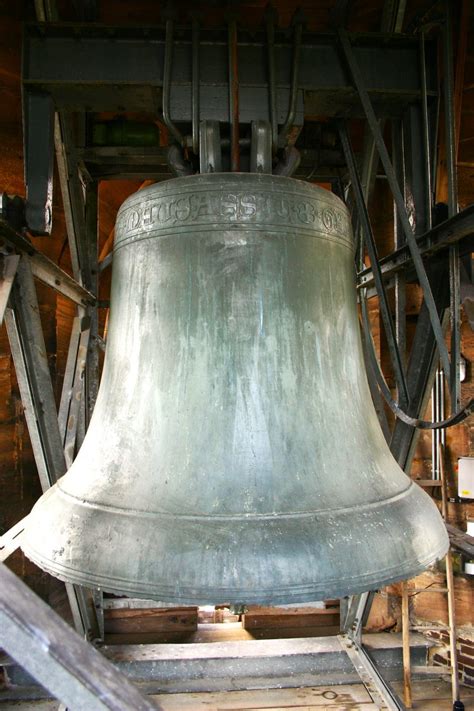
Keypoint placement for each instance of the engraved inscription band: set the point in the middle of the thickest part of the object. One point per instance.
(224, 209)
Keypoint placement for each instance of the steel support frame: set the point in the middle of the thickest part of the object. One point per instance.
(70, 668)
(22, 318)
(359, 607)
(429, 328)
(60, 71)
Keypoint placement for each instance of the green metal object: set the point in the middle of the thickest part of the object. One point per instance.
(121, 132)
(234, 454)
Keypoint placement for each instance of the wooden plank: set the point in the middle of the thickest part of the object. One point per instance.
(353, 696)
(266, 622)
(148, 626)
(461, 540)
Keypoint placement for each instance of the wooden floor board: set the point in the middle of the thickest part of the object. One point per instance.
(350, 697)
(428, 695)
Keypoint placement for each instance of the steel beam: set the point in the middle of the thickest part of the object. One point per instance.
(72, 670)
(38, 133)
(72, 391)
(8, 267)
(459, 228)
(31, 363)
(72, 189)
(11, 540)
(112, 67)
(371, 247)
(380, 691)
(44, 269)
(421, 368)
(357, 77)
(91, 251)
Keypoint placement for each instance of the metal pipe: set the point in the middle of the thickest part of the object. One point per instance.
(270, 22)
(297, 34)
(233, 97)
(168, 63)
(195, 87)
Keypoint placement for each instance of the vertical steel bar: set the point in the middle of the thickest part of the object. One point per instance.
(448, 95)
(272, 90)
(167, 68)
(31, 368)
(449, 586)
(25, 304)
(8, 267)
(38, 118)
(454, 278)
(68, 379)
(372, 250)
(71, 399)
(195, 86)
(398, 159)
(234, 111)
(26, 394)
(72, 194)
(389, 172)
(92, 364)
(290, 117)
(426, 131)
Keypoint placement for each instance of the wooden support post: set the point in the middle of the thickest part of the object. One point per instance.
(406, 646)
(450, 588)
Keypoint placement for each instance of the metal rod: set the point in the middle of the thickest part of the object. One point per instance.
(290, 117)
(372, 250)
(270, 24)
(168, 64)
(195, 86)
(391, 177)
(234, 112)
(457, 417)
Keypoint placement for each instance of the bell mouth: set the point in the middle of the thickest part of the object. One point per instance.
(199, 561)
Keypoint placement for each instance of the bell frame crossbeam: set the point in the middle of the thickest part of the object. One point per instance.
(132, 62)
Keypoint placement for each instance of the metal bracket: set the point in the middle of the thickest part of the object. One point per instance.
(261, 147)
(377, 687)
(210, 153)
(38, 112)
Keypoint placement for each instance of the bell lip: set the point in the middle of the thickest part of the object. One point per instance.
(294, 594)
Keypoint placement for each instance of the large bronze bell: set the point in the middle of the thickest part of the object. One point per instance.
(234, 454)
